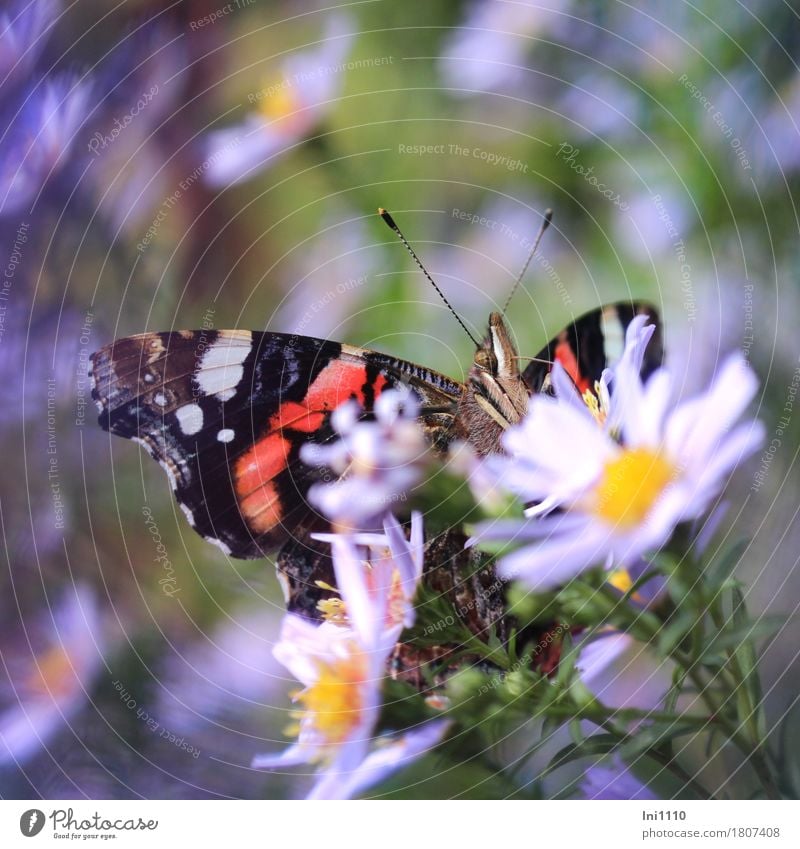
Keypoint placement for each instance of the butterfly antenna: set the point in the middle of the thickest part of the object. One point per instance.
(548, 217)
(390, 221)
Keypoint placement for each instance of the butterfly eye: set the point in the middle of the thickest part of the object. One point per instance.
(485, 359)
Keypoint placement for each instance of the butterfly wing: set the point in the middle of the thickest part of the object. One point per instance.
(225, 413)
(593, 342)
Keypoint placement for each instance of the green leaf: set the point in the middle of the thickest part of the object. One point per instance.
(719, 571)
(659, 734)
(673, 634)
(593, 746)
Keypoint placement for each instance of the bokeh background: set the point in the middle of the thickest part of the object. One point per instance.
(203, 164)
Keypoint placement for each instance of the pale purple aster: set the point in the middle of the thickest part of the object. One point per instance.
(613, 780)
(341, 696)
(290, 107)
(342, 664)
(380, 460)
(620, 501)
(38, 139)
(51, 669)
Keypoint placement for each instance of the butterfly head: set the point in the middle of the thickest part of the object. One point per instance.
(495, 376)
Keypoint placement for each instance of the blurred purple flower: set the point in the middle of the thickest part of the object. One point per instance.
(289, 108)
(224, 674)
(488, 52)
(613, 780)
(133, 141)
(624, 673)
(380, 460)
(600, 105)
(654, 226)
(38, 138)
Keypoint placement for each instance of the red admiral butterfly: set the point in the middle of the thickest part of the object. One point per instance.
(225, 412)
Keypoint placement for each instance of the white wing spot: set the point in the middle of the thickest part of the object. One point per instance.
(225, 435)
(161, 399)
(148, 378)
(219, 544)
(221, 368)
(190, 418)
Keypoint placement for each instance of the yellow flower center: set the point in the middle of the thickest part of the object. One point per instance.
(334, 702)
(333, 610)
(630, 486)
(53, 673)
(592, 401)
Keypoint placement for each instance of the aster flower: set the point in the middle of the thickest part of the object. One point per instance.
(622, 493)
(289, 107)
(340, 700)
(47, 687)
(342, 663)
(340, 704)
(381, 460)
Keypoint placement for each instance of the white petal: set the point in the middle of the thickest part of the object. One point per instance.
(736, 447)
(657, 396)
(566, 390)
(624, 673)
(556, 560)
(696, 427)
(366, 611)
(301, 644)
(293, 756)
(331, 781)
(408, 563)
(386, 759)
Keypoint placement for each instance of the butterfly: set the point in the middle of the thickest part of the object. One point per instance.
(225, 412)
